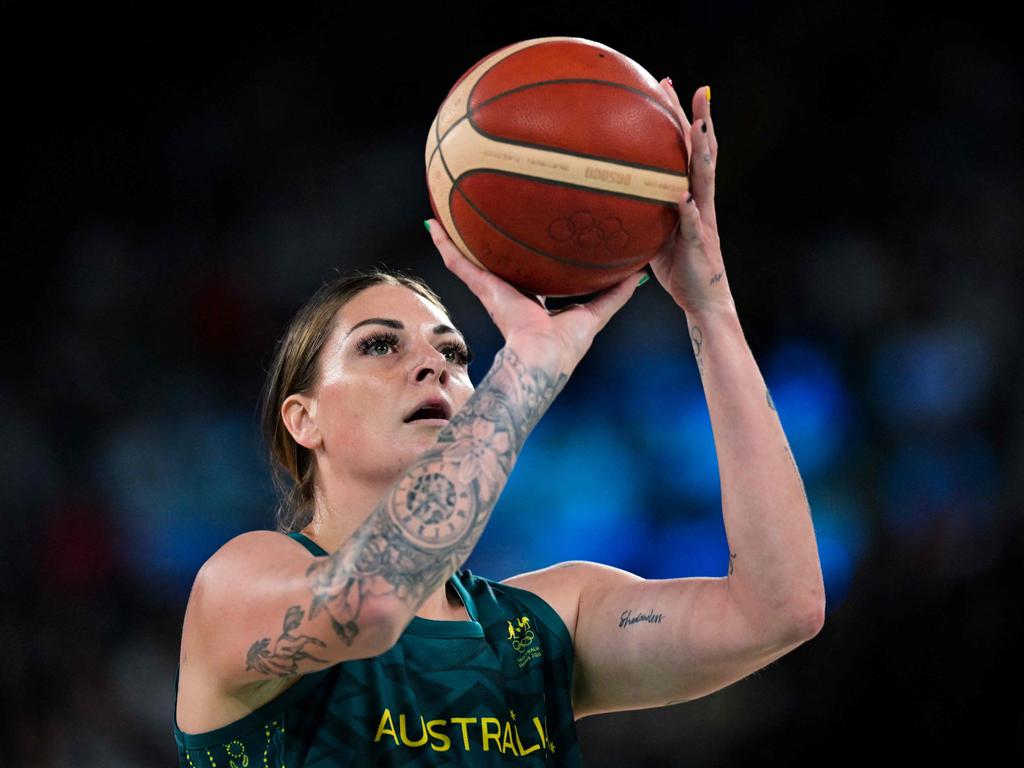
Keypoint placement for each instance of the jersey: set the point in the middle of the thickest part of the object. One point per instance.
(492, 691)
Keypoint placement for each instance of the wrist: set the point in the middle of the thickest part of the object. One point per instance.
(711, 312)
(540, 352)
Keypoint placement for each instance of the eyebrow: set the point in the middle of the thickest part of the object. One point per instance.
(438, 329)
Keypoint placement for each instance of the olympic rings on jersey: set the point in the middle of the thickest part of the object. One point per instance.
(527, 640)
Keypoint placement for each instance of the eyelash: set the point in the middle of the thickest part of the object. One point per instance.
(463, 354)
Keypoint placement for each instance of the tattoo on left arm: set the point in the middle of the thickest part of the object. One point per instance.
(697, 337)
(732, 559)
(627, 619)
(789, 452)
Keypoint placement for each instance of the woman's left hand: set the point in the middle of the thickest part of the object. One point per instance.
(689, 266)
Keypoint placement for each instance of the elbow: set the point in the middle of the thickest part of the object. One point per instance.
(814, 620)
(806, 624)
(799, 621)
(390, 624)
(808, 617)
(375, 631)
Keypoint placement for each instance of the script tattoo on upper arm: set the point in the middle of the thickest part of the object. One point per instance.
(431, 519)
(628, 618)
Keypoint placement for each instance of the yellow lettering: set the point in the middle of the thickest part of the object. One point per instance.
(390, 730)
(463, 721)
(522, 750)
(445, 741)
(507, 741)
(484, 722)
(405, 739)
(540, 730)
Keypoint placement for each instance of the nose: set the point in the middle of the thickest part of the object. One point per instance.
(431, 363)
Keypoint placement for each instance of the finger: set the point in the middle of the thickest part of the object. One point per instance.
(691, 221)
(478, 280)
(702, 111)
(702, 173)
(611, 300)
(534, 297)
(673, 97)
(500, 298)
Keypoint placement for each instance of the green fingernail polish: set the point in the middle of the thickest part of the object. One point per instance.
(643, 279)
(426, 224)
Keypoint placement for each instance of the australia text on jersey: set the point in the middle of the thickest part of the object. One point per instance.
(479, 731)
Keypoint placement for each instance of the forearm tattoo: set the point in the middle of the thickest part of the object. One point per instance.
(431, 519)
(789, 451)
(697, 337)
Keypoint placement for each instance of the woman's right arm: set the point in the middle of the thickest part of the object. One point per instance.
(281, 615)
(260, 609)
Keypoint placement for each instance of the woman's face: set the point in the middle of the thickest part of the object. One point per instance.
(387, 353)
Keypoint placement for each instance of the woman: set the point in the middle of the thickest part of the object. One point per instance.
(355, 640)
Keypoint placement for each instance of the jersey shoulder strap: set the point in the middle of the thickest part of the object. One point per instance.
(315, 549)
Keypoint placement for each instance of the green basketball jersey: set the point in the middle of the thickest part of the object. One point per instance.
(492, 691)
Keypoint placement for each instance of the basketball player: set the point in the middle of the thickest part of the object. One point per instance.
(351, 636)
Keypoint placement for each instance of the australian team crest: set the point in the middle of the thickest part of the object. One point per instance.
(522, 637)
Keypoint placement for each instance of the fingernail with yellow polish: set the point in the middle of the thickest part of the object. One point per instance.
(707, 89)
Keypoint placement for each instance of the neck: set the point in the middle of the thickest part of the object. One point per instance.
(341, 508)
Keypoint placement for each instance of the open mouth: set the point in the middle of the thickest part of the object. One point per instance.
(429, 412)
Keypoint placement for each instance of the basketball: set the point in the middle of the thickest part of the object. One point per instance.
(557, 163)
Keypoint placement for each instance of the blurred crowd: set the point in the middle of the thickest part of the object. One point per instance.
(171, 217)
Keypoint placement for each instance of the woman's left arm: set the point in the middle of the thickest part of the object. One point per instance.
(643, 643)
(774, 572)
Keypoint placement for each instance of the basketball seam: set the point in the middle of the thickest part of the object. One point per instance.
(471, 109)
(568, 184)
(517, 241)
(555, 150)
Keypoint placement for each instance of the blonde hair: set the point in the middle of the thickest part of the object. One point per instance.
(295, 369)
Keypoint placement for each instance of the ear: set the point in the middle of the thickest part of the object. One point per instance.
(298, 412)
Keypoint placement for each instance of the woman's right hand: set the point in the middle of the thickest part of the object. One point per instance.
(565, 334)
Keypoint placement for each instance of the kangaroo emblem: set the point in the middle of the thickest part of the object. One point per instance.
(520, 634)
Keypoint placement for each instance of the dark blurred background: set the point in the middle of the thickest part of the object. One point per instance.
(183, 179)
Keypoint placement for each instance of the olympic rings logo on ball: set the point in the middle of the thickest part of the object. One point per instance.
(587, 232)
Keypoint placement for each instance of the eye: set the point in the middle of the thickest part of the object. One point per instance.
(460, 353)
(455, 352)
(377, 341)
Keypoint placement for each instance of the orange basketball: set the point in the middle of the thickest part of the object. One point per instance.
(557, 164)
